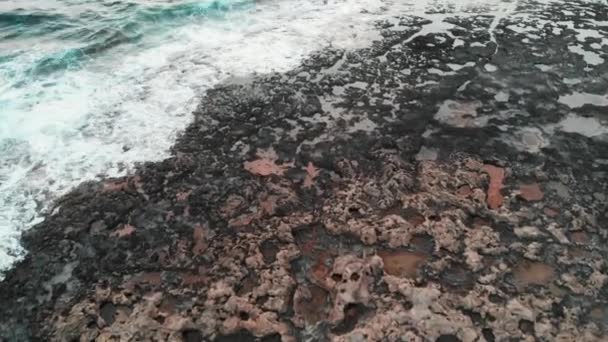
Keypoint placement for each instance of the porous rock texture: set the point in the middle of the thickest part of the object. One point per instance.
(384, 194)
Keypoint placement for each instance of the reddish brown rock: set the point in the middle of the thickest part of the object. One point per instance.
(311, 173)
(115, 186)
(551, 212)
(242, 220)
(531, 192)
(580, 237)
(200, 241)
(183, 195)
(190, 279)
(266, 164)
(125, 231)
(124, 184)
(497, 176)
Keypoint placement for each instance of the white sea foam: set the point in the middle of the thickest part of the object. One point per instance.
(128, 105)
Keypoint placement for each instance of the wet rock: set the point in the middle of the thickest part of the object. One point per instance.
(269, 251)
(315, 205)
(447, 338)
(560, 189)
(526, 327)
(352, 314)
(458, 278)
(241, 336)
(192, 336)
(488, 334)
(107, 312)
(599, 315)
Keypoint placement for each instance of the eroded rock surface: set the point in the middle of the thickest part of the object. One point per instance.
(418, 190)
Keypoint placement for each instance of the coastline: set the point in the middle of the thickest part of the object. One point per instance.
(416, 188)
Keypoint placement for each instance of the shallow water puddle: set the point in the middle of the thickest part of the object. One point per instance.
(460, 114)
(533, 273)
(591, 58)
(402, 263)
(587, 126)
(577, 100)
(312, 305)
(74, 121)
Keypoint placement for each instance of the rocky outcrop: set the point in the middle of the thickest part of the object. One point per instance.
(371, 195)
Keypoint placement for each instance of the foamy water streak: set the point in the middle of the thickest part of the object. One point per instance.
(125, 104)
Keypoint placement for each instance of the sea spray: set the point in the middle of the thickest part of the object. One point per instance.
(90, 89)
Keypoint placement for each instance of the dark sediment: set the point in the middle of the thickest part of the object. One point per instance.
(369, 195)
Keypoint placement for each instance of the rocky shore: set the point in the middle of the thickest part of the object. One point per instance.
(436, 186)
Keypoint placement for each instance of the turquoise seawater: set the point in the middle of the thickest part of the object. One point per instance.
(82, 30)
(81, 92)
(91, 88)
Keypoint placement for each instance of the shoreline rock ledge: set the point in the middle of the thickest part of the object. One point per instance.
(425, 188)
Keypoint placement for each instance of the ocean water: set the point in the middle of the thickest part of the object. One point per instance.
(90, 88)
